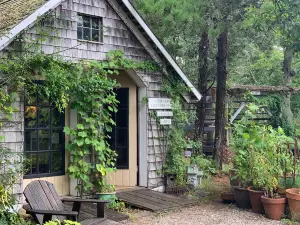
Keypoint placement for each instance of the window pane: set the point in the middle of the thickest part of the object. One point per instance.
(123, 97)
(79, 21)
(122, 159)
(44, 162)
(58, 119)
(57, 140)
(31, 163)
(30, 116)
(96, 35)
(79, 33)
(86, 21)
(86, 34)
(57, 162)
(122, 137)
(44, 117)
(95, 22)
(30, 141)
(122, 118)
(44, 140)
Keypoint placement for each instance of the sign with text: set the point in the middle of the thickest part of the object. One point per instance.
(165, 121)
(160, 103)
(164, 113)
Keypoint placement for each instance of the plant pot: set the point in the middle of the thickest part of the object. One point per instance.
(255, 198)
(234, 181)
(227, 197)
(274, 207)
(293, 196)
(241, 196)
(105, 196)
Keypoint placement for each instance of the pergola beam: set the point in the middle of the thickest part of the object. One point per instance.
(239, 89)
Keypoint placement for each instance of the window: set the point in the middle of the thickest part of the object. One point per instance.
(120, 134)
(44, 138)
(89, 28)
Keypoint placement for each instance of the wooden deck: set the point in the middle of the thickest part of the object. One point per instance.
(152, 200)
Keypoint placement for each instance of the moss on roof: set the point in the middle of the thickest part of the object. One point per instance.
(14, 11)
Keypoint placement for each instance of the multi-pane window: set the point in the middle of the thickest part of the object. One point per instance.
(44, 137)
(89, 28)
(120, 134)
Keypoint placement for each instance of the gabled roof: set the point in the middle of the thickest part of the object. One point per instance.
(17, 15)
(14, 11)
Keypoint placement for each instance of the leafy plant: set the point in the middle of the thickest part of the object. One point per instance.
(176, 163)
(116, 204)
(261, 153)
(65, 222)
(107, 188)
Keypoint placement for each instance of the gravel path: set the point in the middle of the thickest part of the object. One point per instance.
(205, 214)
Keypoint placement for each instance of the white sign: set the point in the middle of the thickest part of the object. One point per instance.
(164, 113)
(160, 103)
(165, 121)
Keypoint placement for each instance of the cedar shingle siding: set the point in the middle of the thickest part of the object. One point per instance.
(116, 36)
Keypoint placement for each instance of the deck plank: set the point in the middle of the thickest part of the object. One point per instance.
(152, 200)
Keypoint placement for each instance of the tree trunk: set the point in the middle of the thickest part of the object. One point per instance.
(287, 114)
(203, 75)
(221, 117)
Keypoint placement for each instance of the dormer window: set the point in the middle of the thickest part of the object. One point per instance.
(89, 28)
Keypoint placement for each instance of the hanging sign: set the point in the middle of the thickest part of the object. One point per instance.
(159, 103)
(164, 113)
(165, 121)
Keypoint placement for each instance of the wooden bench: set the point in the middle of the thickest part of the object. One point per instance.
(44, 204)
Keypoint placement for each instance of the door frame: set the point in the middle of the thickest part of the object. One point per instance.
(142, 154)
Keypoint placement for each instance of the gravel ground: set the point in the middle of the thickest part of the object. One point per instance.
(214, 213)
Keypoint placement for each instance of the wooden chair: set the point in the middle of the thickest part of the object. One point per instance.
(44, 204)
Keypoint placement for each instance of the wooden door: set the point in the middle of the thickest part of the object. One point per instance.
(124, 138)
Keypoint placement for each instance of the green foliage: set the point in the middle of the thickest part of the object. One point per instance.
(65, 222)
(11, 165)
(177, 143)
(261, 153)
(116, 204)
(204, 163)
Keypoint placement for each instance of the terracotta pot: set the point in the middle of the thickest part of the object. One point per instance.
(274, 207)
(255, 198)
(293, 196)
(241, 196)
(227, 197)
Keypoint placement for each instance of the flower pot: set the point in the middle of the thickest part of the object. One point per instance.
(274, 207)
(293, 196)
(227, 197)
(255, 198)
(106, 196)
(241, 196)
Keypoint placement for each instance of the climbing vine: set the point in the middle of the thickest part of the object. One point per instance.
(175, 162)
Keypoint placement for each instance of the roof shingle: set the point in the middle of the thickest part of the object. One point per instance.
(14, 11)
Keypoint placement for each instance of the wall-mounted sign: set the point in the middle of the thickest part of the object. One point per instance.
(160, 103)
(165, 121)
(164, 113)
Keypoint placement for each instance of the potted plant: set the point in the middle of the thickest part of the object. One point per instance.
(275, 158)
(258, 182)
(106, 192)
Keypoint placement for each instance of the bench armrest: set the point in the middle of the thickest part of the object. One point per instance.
(52, 212)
